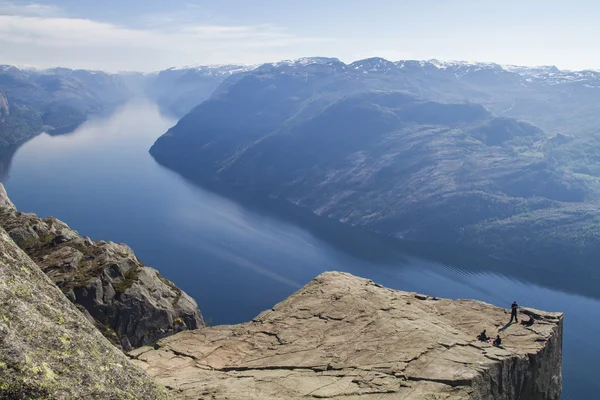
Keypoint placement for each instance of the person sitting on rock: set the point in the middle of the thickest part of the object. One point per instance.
(483, 336)
(497, 341)
(513, 312)
(530, 322)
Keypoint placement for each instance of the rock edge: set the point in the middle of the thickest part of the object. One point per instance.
(129, 302)
(343, 337)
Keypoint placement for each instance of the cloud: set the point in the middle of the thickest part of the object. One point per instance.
(27, 34)
(32, 9)
(67, 32)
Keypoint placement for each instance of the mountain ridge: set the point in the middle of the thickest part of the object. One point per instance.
(266, 130)
(54, 100)
(177, 97)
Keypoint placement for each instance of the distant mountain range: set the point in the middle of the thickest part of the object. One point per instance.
(496, 157)
(499, 158)
(537, 94)
(53, 100)
(57, 100)
(76, 93)
(178, 90)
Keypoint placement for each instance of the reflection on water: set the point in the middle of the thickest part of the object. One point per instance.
(239, 258)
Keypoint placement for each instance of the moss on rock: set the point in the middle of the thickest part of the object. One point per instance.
(48, 350)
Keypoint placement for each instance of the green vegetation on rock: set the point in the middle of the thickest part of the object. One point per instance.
(48, 350)
(129, 278)
(129, 302)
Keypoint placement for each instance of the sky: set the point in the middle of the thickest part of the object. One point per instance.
(150, 35)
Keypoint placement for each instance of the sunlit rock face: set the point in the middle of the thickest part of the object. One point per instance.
(48, 349)
(343, 337)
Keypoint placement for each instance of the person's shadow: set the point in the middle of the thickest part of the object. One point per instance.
(505, 327)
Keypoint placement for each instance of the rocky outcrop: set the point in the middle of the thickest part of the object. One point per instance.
(48, 350)
(131, 304)
(342, 337)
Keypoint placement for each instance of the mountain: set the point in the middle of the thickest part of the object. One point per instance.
(536, 94)
(54, 100)
(410, 149)
(178, 90)
(16, 123)
(556, 100)
(138, 82)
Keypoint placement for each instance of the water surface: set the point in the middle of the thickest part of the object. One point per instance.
(237, 260)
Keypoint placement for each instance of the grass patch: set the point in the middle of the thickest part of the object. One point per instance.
(170, 284)
(131, 277)
(38, 243)
(47, 238)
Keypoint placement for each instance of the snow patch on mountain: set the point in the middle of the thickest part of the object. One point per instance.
(305, 61)
(216, 69)
(544, 74)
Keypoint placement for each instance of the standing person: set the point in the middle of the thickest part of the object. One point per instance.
(513, 312)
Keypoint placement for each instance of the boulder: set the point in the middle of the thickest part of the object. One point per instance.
(343, 337)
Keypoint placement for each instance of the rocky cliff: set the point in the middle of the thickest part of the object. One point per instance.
(130, 303)
(342, 337)
(48, 350)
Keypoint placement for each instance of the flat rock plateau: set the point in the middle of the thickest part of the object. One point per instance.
(343, 337)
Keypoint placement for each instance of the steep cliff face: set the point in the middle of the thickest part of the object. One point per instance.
(16, 124)
(342, 337)
(130, 303)
(48, 350)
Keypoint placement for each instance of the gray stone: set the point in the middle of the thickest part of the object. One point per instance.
(343, 337)
(24, 236)
(65, 258)
(4, 200)
(48, 350)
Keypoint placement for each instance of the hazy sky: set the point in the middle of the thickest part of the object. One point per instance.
(149, 35)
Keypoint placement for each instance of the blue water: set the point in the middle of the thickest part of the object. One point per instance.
(236, 260)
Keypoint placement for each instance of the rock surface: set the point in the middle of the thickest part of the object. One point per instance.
(342, 337)
(129, 302)
(48, 350)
